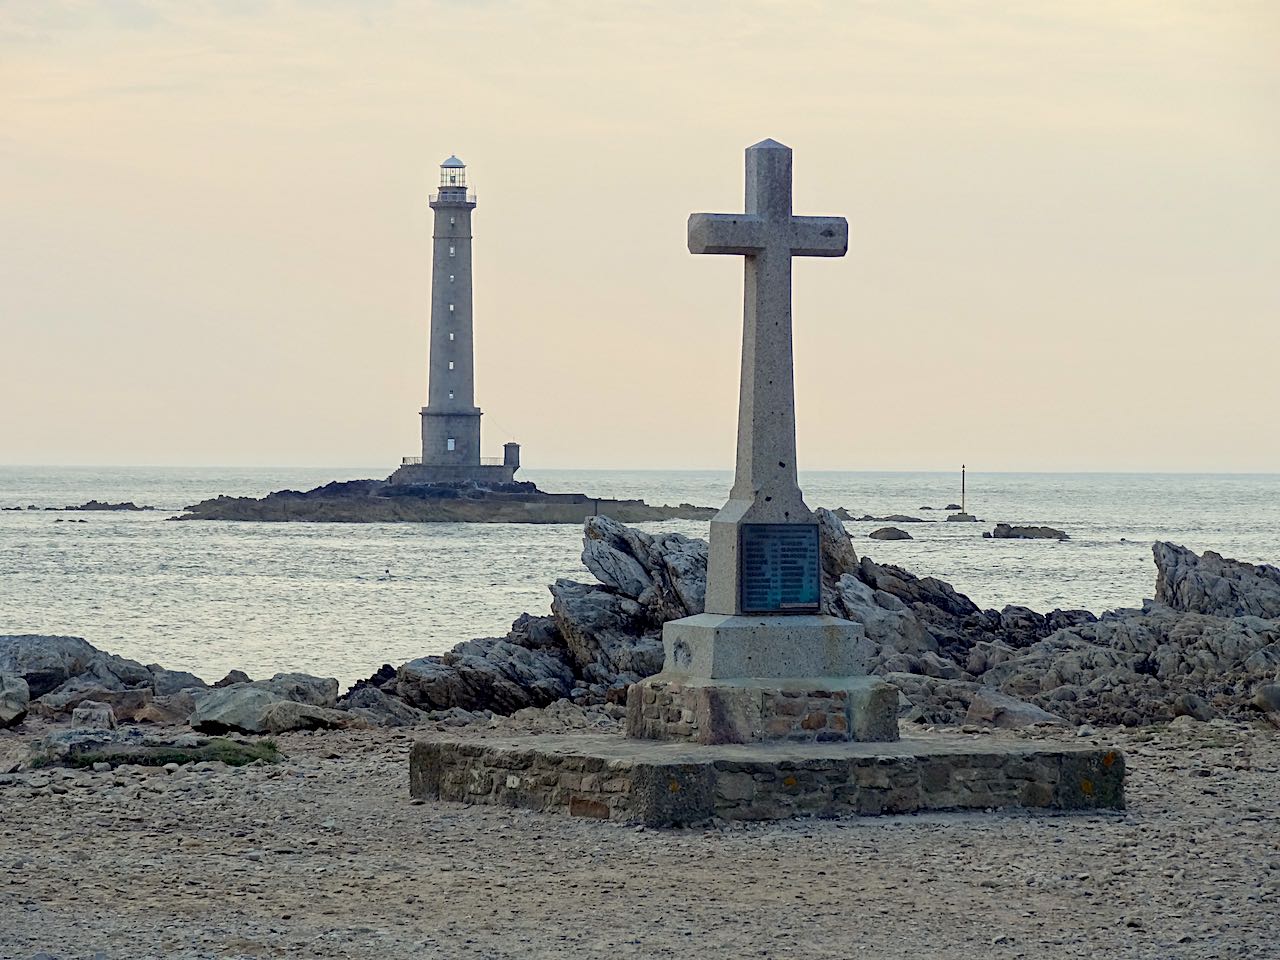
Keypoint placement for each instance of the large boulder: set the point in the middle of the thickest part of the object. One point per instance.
(889, 533)
(15, 696)
(248, 707)
(1001, 710)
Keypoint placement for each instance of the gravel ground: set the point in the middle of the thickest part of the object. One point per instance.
(324, 855)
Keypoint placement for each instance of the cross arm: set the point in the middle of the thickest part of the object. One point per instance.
(819, 236)
(725, 233)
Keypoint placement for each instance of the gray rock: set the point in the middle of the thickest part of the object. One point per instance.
(962, 518)
(1005, 531)
(666, 574)
(240, 707)
(234, 677)
(15, 696)
(1194, 706)
(247, 707)
(1213, 585)
(284, 715)
(491, 673)
(610, 637)
(90, 715)
(126, 703)
(836, 546)
(47, 662)
(1000, 710)
(166, 682)
(1267, 698)
(889, 533)
(381, 709)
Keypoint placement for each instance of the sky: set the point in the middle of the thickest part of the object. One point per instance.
(1064, 225)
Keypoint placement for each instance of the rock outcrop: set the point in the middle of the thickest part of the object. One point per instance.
(1007, 531)
(1213, 585)
(1208, 645)
(889, 533)
(944, 652)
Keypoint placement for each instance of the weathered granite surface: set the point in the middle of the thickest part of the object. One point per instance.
(666, 784)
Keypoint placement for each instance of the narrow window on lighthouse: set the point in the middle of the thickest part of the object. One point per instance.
(451, 336)
(451, 308)
(452, 221)
(450, 394)
(451, 251)
(451, 443)
(450, 364)
(451, 278)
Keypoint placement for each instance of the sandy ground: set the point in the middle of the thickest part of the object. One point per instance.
(325, 855)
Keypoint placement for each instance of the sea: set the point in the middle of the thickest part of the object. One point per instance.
(341, 599)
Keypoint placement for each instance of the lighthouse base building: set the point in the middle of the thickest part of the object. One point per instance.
(451, 419)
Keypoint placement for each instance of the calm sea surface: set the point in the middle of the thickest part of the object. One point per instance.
(208, 596)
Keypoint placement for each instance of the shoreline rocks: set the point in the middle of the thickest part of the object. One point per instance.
(1208, 645)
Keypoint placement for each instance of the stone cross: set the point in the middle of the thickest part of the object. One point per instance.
(765, 488)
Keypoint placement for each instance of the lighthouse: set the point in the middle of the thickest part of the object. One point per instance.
(451, 419)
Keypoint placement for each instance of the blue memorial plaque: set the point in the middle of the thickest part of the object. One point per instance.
(780, 568)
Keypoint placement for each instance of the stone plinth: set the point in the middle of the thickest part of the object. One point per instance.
(715, 646)
(814, 710)
(749, 679)
(672, 784)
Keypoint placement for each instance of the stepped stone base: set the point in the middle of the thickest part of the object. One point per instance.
(673, 784)
(820, 710)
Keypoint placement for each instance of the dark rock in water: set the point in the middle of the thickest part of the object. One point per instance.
(127, 506)
(840, 513)
(889, 533)
(953, 506)
(233, 677)
(377, 501)
(1005, 531)
(962, 518)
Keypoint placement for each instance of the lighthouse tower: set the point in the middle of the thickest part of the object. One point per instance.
(451, 419)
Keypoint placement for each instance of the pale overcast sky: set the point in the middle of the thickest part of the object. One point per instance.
(1064, 228)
